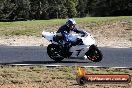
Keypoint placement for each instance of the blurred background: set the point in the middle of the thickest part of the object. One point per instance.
(12, 10)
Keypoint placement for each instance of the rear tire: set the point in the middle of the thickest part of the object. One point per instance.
(94, 54)
(55, 52)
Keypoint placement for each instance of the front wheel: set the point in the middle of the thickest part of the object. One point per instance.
(94, 54)
(55, 52)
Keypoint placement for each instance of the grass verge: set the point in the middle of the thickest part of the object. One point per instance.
(53, 76)
(35, 27)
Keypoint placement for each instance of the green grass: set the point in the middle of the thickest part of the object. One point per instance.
(33, 22)
(35, 27)
(103, 19)
(61, 21)
(28, 32)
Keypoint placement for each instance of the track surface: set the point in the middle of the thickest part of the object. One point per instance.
(112, 57)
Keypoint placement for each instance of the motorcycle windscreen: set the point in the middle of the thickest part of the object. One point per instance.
(89, 40)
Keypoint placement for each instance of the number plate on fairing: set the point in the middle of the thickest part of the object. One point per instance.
(79, 51)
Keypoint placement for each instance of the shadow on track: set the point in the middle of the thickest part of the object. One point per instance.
(43, 62)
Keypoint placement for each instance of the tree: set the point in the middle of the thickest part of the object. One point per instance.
(50, 9)
(15, 10)
(81, 8)
(71, 7)
(57, 9)
(6, 8)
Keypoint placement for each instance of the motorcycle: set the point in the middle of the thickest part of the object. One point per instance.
(84, 48)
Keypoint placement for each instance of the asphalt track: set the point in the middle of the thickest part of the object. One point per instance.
(23, 55)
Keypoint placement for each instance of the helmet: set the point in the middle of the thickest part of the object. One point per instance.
(71, 22)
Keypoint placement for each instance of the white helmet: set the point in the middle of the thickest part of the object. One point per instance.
(71, 21)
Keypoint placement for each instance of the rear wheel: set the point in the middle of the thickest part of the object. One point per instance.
(55, 52)
(94, 54)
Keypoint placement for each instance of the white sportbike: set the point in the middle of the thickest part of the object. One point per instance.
(85, 47)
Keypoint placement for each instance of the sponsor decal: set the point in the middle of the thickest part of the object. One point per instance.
(83, 77)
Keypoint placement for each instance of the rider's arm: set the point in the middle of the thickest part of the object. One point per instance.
(79, 31)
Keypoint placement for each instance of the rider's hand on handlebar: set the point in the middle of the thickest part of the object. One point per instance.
(84, 35)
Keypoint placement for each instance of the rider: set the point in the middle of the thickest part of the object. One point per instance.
(66, 29)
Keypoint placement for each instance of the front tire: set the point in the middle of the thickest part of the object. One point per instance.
(94, 54)
(55, 52)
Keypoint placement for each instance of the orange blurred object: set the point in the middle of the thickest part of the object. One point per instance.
(81, 71)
